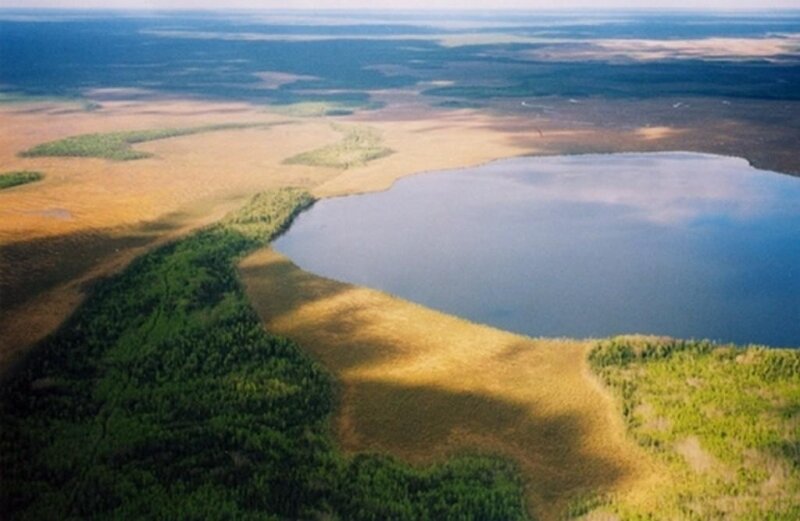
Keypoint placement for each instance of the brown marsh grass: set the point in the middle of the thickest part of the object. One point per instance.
(420, 384)
(414, 382)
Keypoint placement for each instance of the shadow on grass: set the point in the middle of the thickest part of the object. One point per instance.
(29, 268)
(414, 420)
(290, 289)
(405, 390)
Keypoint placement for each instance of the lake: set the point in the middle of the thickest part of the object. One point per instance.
(681, 244)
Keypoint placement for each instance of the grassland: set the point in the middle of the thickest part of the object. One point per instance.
(414, 383)
(699, 431)
(163, 397)
(563, 454)
(421, 385)
(14, 98)
(459, 104)
(117, 146)
(20, 177)
(315, 109)
(722, 421)
(359, 146)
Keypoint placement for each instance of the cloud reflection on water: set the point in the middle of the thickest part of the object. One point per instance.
(680, 244)
(667, 188)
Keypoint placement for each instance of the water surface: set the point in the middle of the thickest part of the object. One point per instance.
(681, 244)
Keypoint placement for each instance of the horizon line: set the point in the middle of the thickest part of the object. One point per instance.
(583, 10)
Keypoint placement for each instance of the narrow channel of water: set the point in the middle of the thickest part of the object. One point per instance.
(682, 244)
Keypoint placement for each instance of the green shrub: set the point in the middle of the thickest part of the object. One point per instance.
(359, 146)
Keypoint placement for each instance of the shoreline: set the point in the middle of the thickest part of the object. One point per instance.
(429, 141)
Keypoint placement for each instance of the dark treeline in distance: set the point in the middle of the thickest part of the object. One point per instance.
(220, 56)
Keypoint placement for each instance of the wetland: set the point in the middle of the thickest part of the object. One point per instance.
(680, 244)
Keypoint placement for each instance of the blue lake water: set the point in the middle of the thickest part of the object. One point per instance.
(682, 244)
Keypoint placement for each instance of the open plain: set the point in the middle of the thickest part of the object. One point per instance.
(410, 382)
(90, 216)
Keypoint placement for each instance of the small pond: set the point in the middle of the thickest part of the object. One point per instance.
(681, 244)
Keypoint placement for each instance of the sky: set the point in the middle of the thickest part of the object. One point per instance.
(405, 4)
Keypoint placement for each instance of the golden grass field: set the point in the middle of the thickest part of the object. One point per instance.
(421, 384)
(414, 382)
(90, 216)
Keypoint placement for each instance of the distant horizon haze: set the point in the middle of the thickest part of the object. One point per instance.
(410, 5)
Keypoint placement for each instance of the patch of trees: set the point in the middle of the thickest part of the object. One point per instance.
(359, 146)
(117, 146)
(738, 404)
(163, 397)
(763, 362)
(9, 179)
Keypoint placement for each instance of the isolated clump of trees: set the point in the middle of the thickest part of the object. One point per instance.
(117, 146)
(20, 177)
(358, 146)
(163, 397)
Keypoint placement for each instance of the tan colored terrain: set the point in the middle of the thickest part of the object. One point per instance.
(90, 216)
(420, 384)
(185, 170)
(415, 382)
(776, 48)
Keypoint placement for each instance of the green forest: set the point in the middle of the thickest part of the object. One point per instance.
(359, 146)
(117, 146)
(22, 177)
(722, 420)
(163, 397)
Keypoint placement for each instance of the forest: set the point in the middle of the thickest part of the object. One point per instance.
(163, 397)
(22, 177)
(721, 420)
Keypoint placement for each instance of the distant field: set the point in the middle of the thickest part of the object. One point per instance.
(722, 420)
(15, 98)
(359, 146)
(9, 179)
(676, 78)
(312, 109)
(117, 146)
